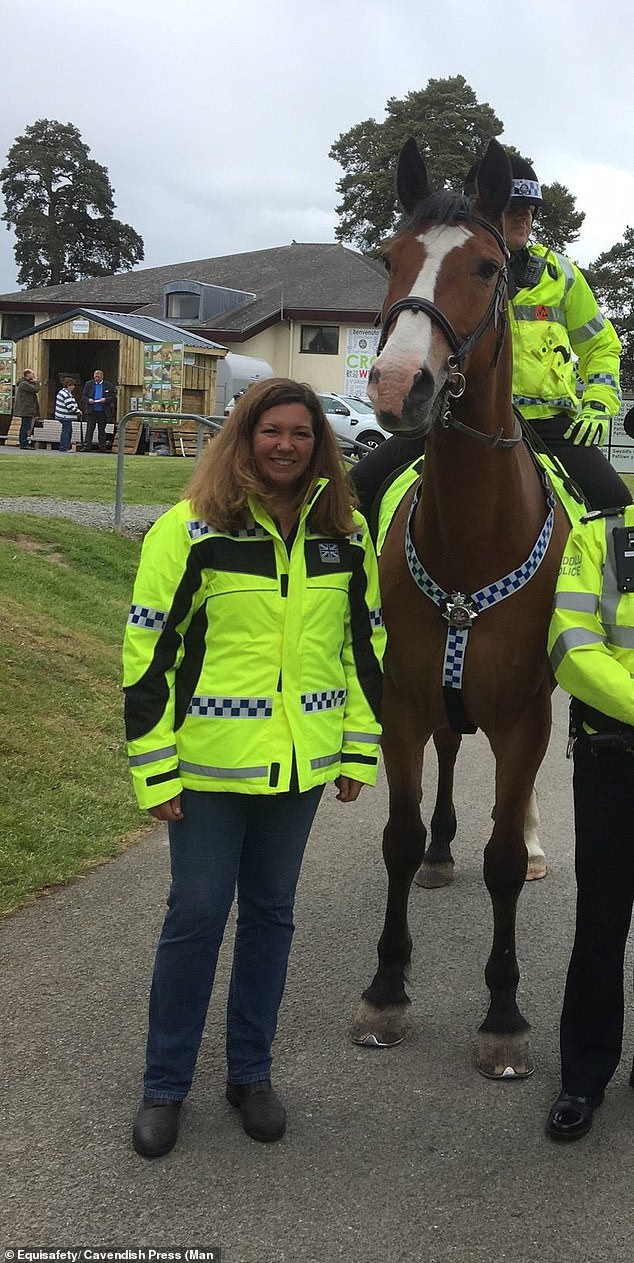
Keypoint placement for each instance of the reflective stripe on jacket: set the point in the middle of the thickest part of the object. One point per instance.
(553, 318)
(239, 656)
(591, 636)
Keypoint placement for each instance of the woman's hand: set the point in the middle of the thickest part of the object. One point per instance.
(349, 790)
(170, 811)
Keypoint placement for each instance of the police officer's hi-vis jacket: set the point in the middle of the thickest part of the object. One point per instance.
(240, 658)
(553, 314)
(591, 636)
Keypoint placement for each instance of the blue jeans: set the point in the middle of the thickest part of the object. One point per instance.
(256, 842)
(66, 435)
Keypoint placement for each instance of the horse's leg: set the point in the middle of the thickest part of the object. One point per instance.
(438, 865)
(380, 1018)
(503, 1049)
(537, 866)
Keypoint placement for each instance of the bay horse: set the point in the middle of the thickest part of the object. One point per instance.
(468, 572)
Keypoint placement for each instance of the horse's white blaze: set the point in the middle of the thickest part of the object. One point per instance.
(411, 345)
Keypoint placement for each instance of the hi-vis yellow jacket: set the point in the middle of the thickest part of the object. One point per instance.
(239, 657)
(591, 637)
(553, 317)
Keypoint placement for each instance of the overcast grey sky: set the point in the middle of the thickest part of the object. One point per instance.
(214, 117)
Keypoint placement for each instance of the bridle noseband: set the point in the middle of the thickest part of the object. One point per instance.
(495, 314)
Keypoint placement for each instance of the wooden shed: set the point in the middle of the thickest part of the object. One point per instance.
(155, 366)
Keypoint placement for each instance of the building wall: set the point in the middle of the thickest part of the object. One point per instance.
(281, 347)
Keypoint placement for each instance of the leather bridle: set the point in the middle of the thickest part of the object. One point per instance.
(495, 314)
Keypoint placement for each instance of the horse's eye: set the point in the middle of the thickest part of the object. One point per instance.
(487, 269)
(386, 262)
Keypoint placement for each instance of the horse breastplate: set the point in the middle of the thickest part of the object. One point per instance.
(461, 610)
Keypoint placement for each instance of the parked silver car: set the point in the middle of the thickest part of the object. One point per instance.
(353, 420)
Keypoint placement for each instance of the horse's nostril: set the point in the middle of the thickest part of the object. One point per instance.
(374, 375)
(422, 387)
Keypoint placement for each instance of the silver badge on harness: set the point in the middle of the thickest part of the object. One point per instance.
(459, 611)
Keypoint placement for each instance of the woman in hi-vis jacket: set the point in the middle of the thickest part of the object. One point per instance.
(252, 673)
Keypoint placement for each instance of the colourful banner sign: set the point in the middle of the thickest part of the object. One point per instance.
(7, 352)
(361, 349)
(162, 377)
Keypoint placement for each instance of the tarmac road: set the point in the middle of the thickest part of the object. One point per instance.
(394, 1155)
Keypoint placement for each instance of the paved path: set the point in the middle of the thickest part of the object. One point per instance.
(401, 1155)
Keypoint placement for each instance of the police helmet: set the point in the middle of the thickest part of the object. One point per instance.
(526, 189)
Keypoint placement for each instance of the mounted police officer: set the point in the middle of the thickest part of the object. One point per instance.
(591, 646)
(553, 314)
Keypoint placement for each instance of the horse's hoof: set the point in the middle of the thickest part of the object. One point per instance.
(537, 868)
(379, 1028)
(433, 876)
(504, 1056)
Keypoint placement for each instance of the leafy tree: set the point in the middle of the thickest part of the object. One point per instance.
(611, 277)
(61, 203)
(559, 222)
(452, 129)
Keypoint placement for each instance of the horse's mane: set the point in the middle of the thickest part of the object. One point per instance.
(443, 207)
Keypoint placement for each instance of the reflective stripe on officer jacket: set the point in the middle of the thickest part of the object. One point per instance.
(240, 657)
(591, 636)
(551, 319)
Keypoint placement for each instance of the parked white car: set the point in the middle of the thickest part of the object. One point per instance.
(353, 420)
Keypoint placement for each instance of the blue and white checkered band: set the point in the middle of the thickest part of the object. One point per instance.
(376, 617)
(329, 552)
(530, 189)
(197, 529)
(251, 532)
(453, 662)
(231, 707)
(145, 616)
(328, 699)
(451, 606)
(603, 379)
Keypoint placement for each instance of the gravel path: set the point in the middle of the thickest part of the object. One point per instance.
(135, 518)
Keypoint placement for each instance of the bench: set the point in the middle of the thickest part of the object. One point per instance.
(46, 433)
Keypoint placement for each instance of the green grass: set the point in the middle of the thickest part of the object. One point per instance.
(68, 802)
(146, 479)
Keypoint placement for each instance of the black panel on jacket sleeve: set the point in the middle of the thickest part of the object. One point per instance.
(366, 662)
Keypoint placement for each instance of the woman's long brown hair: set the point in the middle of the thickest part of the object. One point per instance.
(226, 476)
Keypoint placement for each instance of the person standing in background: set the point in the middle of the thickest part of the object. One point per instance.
(66, 410)
(26, 406)
(100, 398)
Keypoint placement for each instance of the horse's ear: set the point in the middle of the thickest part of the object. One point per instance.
(494, 180)
(412, 183)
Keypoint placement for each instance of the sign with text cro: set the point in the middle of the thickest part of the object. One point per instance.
(361, 350)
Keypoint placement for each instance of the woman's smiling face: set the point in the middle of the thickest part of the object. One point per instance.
(283, 441)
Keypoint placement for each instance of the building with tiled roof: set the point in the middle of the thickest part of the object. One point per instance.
(303, 308)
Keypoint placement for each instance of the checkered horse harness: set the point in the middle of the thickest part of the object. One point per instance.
(461, 610)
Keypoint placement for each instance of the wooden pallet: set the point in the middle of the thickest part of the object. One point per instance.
(133, 432)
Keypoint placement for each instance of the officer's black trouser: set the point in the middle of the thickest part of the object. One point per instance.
(369, 474)
(592, 1017)
(602, 487)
